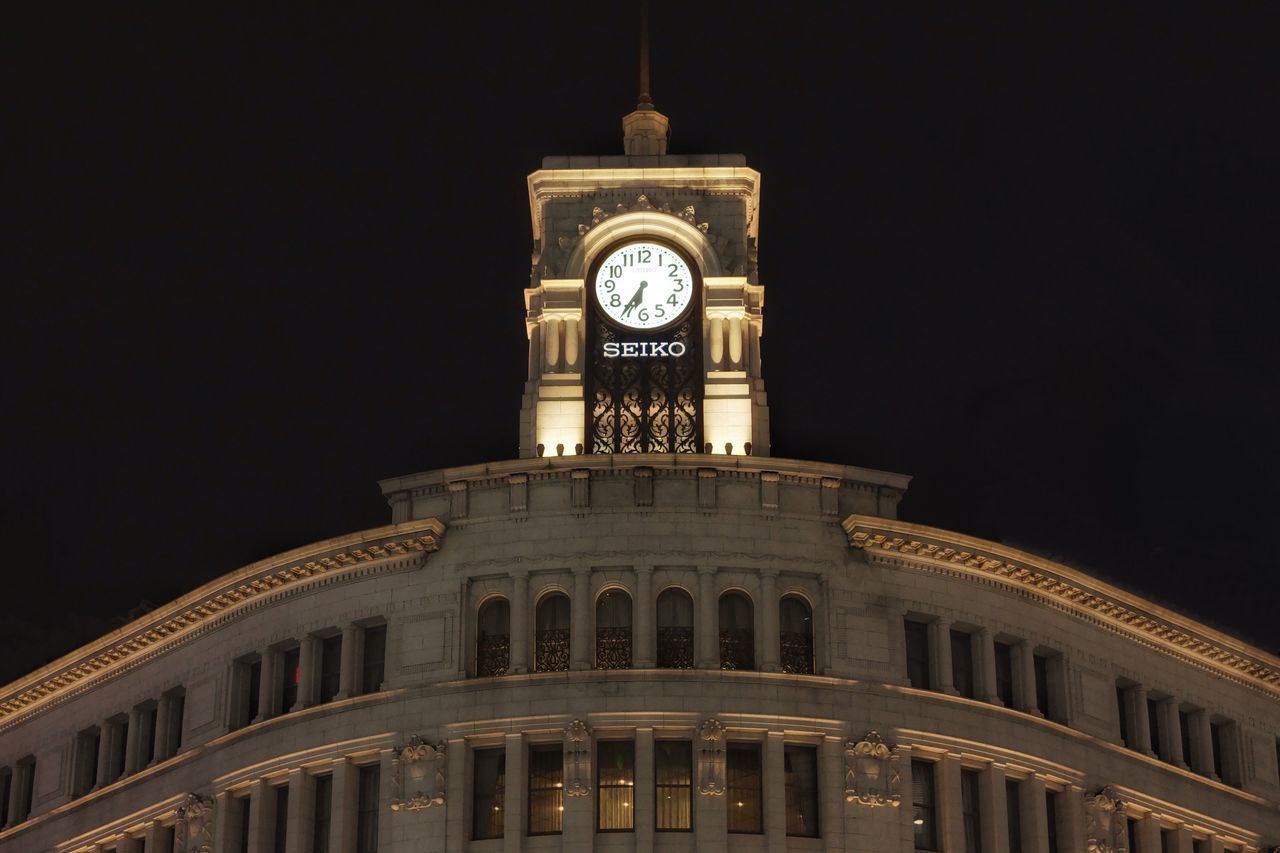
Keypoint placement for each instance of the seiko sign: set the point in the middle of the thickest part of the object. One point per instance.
(644, 349)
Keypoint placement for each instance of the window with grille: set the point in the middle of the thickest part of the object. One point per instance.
(546, 789)
(924, 806)
(800, 769)
(742, 788)
(675, 630)
(673, 784)
(737, 632)
(488, 801)
(551, 640)
(613, 630)
(493, 638)
(615, 785)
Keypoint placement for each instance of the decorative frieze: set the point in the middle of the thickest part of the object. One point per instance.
(1055, 582)
(577, 759)
(871, 773)
(458, 499)
(769, 490)
(706, 488)
(711, 758)
(518, 485)
(581, 496)
(417, 776)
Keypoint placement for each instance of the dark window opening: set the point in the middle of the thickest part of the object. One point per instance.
(546, 789)
(795, 638)
(800, 766)
(737, 632)
(367, 809)
(675, 630)
(917, 653)
(613, 630)
(1013, 802)
(321, 814)
(373, 659)
(1004, 673)
(615, 785)
(282, 818)
(488, 799)
(290, 673)
(493, 638)
(330, 667)
(971, 810)
(673, 785)
(962, 663)
(742, 789)
(551, 641)
(924, 810)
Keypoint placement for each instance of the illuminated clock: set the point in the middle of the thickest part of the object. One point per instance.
(643, 285)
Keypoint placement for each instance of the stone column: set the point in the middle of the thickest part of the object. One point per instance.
(268, 679)
(261, 816)
(224, 835)
(519, 623)
(950, 806)
(515, 796)
(642, 794)
(1183, 842)
(831, 796)
(106, 733)
(347, 669)
(456, 829)
(581, 641)
(1216, 845)
(898, 645)
(643, 607)
(990, 694)
(1071, 819)
(1137, 698)
(131, 741)
(769, 635)
(302, 803)
(1148, 835)
(164, 709)
(707, 631)
(1035, 816)
(1202, 743)
(774, 784)
(1171, 733)
(342, 811)
(993, 809)
(1027, 679)
(943, 676)
(159, 840)
(307, 665)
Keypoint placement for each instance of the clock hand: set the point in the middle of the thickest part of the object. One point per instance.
(635, 300)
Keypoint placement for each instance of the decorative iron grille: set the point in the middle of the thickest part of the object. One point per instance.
(613, 648)
(645, 404)
(737, 649)
(493, 655)
(552, 651)
(797, 652)
(675, 648)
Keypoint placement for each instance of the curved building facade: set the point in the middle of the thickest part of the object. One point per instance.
(646, 633)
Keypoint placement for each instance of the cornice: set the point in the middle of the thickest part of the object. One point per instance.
(216, 601)
(1068, 589)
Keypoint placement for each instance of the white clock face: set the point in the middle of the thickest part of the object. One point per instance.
(643, 286)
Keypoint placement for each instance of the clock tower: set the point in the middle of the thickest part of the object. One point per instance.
(644, 309)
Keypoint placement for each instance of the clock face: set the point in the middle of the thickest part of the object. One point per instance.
(644, 286)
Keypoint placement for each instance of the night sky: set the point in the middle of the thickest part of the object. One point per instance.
(258, 260)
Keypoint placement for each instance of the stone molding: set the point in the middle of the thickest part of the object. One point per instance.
(417, 776)
(1073, 591)
(168, 625)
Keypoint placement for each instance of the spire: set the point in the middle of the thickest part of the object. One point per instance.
(645, 130)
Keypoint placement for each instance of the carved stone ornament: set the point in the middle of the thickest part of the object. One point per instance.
(642, 202)
(577, 759)
(711, 782)
(417, 775)
(871, 775)
(194, 832)
(1105, 828)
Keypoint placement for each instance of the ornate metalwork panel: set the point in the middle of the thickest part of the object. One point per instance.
(493, 654)
(613, 648)
(797, 652)
(675, 648)
(552, 651)
(738, 649)
(646, 404)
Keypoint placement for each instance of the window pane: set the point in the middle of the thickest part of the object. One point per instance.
(743, 787)
(242, 843)
(546, 789)
(289, 674)
(796, 635)
(493, 639)
(1040, 664)
(330, 667)
(1004, 674)
(488, 801)
(367, 816)
(969, 807)
(737, 632)
(613, 630)
(675, 630)
(320, 817)
(615, 794)
(1051, 813)
(922, 804)
(1014, 805)
(673, 780)
(962, 663)
(800, 767)
(917, 653)
(282, 818)
(374, 659)
(551, 641)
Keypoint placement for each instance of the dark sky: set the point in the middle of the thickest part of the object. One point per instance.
(258, 260)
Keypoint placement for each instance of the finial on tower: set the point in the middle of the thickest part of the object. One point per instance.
(645, 131)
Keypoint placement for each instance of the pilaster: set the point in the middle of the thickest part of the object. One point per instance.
(994, 809)
(347, 669)
(943, 677)
(342, 811)
(261, 816)
(775, 806)
(1137, 696)
(519, 661)
(581, 642)
(643, 608)
(307, 664)
(1035, 816)
(1026, 678)
(707, 632)
(950, 806)
(301, 812)
(643, 792)
(769, 620)
(268, 679)
(131, 743)
(989, 693)
(515, 795)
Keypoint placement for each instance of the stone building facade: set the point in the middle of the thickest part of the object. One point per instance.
(613, 651)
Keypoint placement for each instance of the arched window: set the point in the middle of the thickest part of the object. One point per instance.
(493, 638)
(613, 630)
(795, 635)
(675, 629)
(737, 632)
(551, 652)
